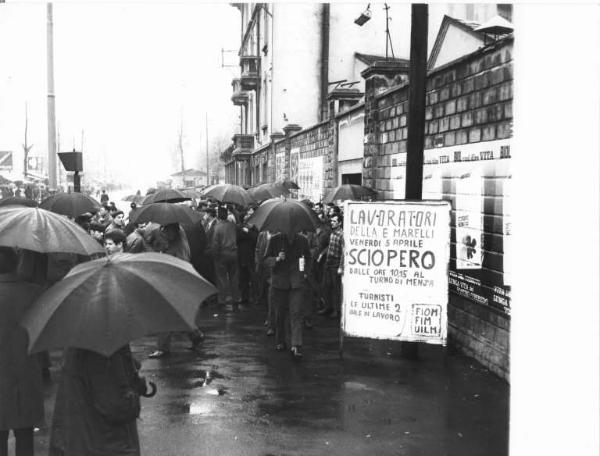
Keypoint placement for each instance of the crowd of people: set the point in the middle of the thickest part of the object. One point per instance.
(291, 279)
(294, 279)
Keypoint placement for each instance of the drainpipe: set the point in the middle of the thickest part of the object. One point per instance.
(323, 111)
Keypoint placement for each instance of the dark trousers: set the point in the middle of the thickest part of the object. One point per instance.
(228, 276)
(332, 287)
(288, 314)
(248, 283)
(23, 442)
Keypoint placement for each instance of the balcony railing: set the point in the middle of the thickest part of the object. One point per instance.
(239, 97)
(249, 71)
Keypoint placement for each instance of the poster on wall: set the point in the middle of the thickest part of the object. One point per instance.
(310, 178)
(279, 166)
(395, 281)
(294, 165)
(469, 221)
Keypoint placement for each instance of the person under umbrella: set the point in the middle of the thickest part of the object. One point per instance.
(224, 250)
(290, 257)
(247, 235)
(97, 405)
(103, 217)
(98, 399)
(117, 223)
(21, 390)
(114, 241)
(172, 240)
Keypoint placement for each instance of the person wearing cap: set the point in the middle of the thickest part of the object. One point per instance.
(118, 222)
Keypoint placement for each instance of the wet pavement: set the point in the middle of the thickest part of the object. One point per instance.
(237, 396)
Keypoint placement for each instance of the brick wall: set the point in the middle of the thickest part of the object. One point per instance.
(311, 160)
(467, 162)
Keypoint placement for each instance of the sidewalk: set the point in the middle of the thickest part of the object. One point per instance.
(256, 401)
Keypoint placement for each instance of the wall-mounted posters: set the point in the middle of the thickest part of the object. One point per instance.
(279, 166)
(395, 282)
(310, 178)
(469, 221)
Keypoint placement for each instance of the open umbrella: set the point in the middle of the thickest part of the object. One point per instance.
(12, 200)
(349, 192)
(43, 231)
(70, 204)
(228, 193)
(290, 185)
(164, 214)
(103, 304)
(267, 191)
(166, 196)
(284, 215)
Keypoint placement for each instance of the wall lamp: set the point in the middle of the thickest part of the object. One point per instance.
(364, 16)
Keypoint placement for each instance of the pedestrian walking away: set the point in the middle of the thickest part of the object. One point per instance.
(21, 391)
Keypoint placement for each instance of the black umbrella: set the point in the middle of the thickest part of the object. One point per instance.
(290, 185)
(285, 216)
(228, 193)
(166, 196)
(70, 204)
(12, 200)
(267, 191)
(349, 192)
(165, 214)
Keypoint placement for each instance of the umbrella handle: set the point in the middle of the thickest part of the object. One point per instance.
(152, 392)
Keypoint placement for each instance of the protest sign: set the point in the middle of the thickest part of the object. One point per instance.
(395, 282)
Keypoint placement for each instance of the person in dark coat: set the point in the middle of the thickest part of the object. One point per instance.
(246, 243)
(97, 405)
(290, 257)
(208, 261)
(263, 274)
(21, 390)
(197, 242)
(224, 250)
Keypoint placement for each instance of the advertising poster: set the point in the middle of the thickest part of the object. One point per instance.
(395, 281)
(310, 178)
(469, 221)
(280, 166)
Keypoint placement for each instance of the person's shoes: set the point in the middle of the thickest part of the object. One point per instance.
(308, 324)
(324, 311)
(270, 332)
(280, 347)
(334, 315)
(296, 352)
(158, 354)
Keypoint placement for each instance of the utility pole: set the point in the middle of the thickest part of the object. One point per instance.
(417, 78)
(51, 101)
(206, 135)
(26, 147)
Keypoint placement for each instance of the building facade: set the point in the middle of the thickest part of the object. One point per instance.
(357, 134)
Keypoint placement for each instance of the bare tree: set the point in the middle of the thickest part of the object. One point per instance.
(26, 147)
(180, 150)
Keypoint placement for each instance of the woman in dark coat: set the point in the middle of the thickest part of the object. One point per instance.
(97, 405)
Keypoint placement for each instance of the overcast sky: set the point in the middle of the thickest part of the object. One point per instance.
(125, 74)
